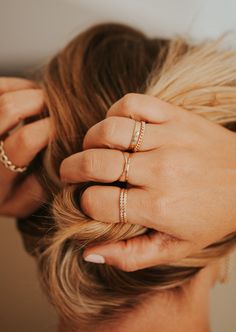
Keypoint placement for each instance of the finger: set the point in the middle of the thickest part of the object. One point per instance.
(105, 165)
(18, 105)
(102, 203)
(144, 108)
(116, 133)
(23, 145)
(27, 198)
(8, 84)
(140, 252)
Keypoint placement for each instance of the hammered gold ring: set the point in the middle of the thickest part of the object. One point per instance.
(138, 135)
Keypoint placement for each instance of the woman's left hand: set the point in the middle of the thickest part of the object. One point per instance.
(182, 182)
(20, 99)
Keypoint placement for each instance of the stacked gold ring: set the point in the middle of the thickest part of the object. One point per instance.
(123, 205)
(138, 135)
(135, 146)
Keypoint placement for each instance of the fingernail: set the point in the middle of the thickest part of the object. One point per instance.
(94, 258)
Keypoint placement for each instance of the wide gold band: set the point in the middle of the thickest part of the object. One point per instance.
(134, 140)
(7, 163)
(137, 137)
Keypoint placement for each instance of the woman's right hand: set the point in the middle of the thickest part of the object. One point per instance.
(20, 99)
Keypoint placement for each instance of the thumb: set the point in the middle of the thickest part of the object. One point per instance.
(139, 252)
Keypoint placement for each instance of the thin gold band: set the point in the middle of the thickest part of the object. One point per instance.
(125, 172)
(7, 163)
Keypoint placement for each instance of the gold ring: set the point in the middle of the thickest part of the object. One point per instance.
(123, 205)
(7, 163)
(137, 137)
(127, 157)
(134, 140)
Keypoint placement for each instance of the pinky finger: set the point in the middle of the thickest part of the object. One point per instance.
(140, 252)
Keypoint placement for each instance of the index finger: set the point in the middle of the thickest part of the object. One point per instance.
(9, 84)
(142, 107)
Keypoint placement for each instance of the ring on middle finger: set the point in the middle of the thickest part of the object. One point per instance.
(125, 173)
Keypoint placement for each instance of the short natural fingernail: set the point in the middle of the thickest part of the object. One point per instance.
(94, 258)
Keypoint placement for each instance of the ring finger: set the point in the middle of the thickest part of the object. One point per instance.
(93, 198)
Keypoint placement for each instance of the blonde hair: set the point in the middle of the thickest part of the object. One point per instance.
(80, 84)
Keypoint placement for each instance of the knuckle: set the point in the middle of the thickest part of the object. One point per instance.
(109, 128)
(167, 246)
(158, 208)
(167, 164)
(129, 102)
(128, 262)
(126, 266)
(3, 84)
(88, 163)
(6, 103)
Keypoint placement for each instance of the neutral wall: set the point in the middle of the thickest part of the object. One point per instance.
(23, 306)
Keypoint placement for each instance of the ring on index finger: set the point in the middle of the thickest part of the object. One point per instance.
(138, 135)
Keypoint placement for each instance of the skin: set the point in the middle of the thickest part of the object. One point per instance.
(187, 206)
(182, 183)
(188, 309)
(20, 99)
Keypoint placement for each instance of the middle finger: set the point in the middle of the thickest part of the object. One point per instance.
(106, 165)
(18, 105)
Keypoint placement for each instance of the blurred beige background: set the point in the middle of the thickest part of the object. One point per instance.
(23, 306)
(30, 32)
